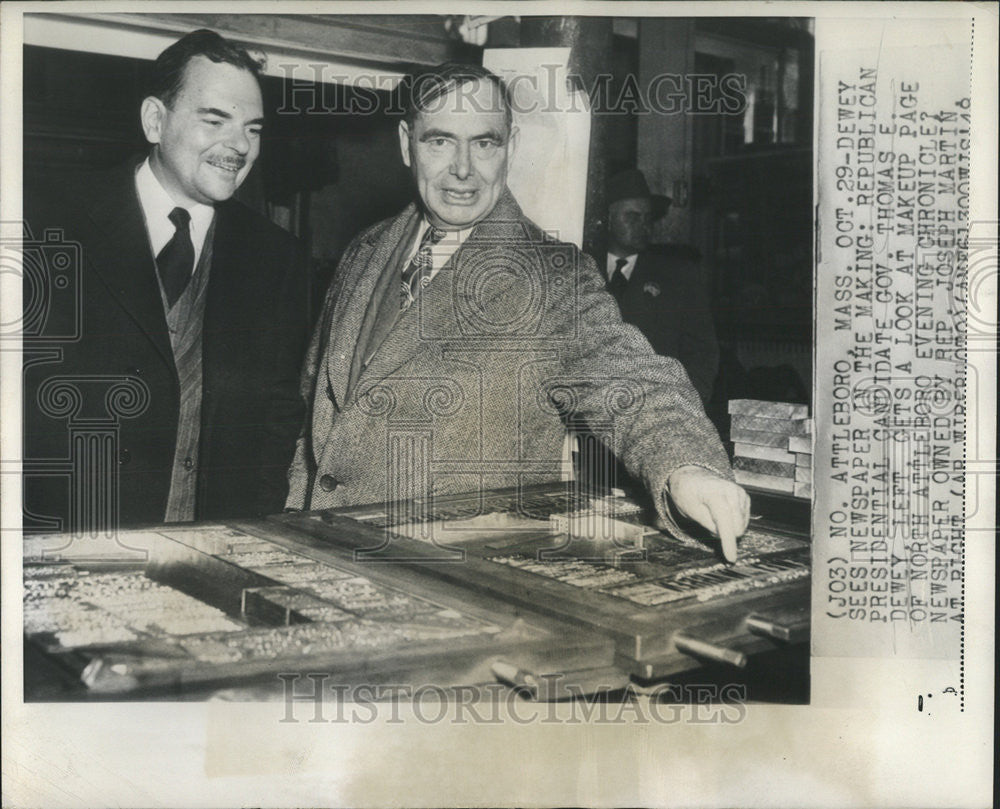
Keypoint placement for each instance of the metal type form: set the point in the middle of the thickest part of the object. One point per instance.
(224, 607)
(232, 606)
(668, 605)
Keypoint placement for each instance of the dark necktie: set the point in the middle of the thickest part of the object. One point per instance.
(618, 280)
(417, 274)
(175, 262)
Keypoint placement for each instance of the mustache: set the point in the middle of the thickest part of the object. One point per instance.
(229, 162)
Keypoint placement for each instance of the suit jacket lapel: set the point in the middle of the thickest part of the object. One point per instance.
(124, 259)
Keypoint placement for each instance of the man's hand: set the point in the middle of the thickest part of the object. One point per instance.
(714, 502)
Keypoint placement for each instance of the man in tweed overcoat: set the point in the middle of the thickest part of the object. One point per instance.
(457, 342)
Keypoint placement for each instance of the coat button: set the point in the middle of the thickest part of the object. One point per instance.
(133, 371)
(188, 463)
(328, 483)
(124, 456)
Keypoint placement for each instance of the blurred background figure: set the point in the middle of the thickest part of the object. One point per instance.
(660, 289)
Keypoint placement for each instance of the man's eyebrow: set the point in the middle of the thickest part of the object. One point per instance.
(223, 114)
(431, 134)
(492, 133)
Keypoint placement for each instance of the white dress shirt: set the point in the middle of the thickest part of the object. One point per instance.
(440, 252)
(626, 270)
(156, 207)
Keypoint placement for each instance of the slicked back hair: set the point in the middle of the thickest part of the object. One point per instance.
(422, 91)
(167, 77)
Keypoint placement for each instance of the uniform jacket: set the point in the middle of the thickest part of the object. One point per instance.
(112, 335)
(667, 299)
(474, 384)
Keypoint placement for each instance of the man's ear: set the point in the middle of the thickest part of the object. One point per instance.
(404, 142)
(151, 115)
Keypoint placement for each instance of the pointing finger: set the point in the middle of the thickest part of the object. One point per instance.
(727, 536)
(720, 522)
(727, 514)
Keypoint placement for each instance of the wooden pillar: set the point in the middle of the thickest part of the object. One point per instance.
(590, 39)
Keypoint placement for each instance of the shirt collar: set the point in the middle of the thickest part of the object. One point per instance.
(444, 249)
(626, 270)
(157, 204)
(452, 238)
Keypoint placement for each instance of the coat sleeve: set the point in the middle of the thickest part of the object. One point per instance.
(610, 375)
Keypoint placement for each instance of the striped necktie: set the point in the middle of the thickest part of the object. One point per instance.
(417, 274)
(175, 262)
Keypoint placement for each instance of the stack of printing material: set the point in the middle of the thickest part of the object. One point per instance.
(772, 445)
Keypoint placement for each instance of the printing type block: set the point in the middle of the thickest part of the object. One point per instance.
(769, 410)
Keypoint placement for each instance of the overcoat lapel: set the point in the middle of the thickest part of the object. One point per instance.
(435, 310)
(431, 314)
(123, 258)
(357, 297)
(640, 272)
(384, 305)
(237, 290)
